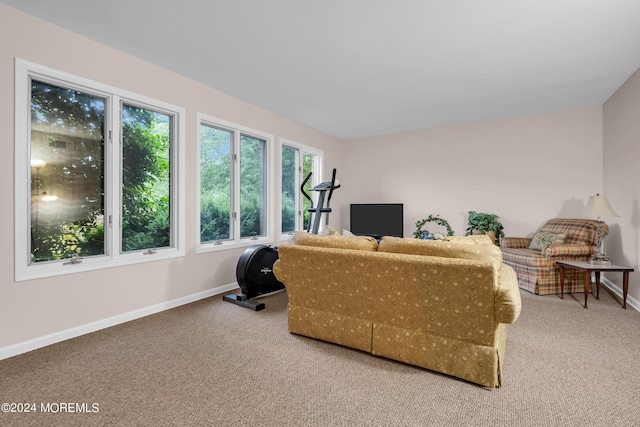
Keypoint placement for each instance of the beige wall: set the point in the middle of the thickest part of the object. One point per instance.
(35, 308)
(621, 118)
(524, 169)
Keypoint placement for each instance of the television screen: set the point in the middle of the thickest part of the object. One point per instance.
(377, 220)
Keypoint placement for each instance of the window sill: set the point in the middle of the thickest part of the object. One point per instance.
(63, 267)
(225, 245)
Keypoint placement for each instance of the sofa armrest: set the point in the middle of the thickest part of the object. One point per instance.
(515, 242)
(567, 250)
(507, 296)
(278, 271)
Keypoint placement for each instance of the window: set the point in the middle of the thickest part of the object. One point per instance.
(215, 184)
(297, 161)
(67, 170)
(234, 179)
(253, 183)
(103, 174)
(146, 187)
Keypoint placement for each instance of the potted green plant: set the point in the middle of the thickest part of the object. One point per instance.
(485, 223)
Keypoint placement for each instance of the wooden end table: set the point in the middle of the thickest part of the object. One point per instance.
(587, 269)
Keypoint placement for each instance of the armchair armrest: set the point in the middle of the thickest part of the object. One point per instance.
(515, 242)
(567, 249)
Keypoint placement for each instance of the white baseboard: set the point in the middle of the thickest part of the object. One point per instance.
(36, 343)
(631, 301)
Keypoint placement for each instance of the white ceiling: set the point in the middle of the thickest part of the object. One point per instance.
(355, 68)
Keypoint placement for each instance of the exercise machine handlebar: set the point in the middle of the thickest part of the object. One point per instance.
(322, 188)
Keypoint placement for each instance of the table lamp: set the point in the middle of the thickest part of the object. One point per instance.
(598, 207)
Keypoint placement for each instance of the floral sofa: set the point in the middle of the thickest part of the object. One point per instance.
(559, 239)
(440, 305)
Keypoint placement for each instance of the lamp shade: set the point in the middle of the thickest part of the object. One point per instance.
(598, 207)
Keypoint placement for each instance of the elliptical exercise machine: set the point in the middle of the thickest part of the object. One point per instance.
(254, 271)
(316, 213)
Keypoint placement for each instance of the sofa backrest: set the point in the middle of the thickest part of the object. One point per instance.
(470, 247)
(440, 295)
(336, 241)
(579, 231)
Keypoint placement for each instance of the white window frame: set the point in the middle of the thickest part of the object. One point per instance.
(316, 178)
(236, 241)
(24, 72)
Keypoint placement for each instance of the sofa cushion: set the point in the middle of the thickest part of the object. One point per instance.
(362, 243)
(468, 247)
(545, 238)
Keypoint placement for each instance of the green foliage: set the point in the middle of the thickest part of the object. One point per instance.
(288, 214)
(289, 190)
(145, 175)
(78, 119)
(307, 166)
(81, 113)
(75, 239)
(250, 214)
(484, 222)
(215, 184)
(252, 191)
(214, 217)
(145, 179)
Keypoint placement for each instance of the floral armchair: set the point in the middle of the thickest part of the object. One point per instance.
(560, 239)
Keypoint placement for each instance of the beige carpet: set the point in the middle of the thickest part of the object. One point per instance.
(212, 363)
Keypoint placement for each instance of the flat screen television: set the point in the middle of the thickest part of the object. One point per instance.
(377, 219)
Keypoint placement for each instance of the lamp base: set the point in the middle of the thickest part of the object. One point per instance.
(599, 259)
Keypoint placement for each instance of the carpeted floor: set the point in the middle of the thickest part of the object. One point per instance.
(212, 363)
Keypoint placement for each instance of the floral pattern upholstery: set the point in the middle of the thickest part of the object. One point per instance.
(364, 243)
(537, 270)
(441, 312)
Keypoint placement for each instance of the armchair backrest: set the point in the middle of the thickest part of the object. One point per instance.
(578, 231)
